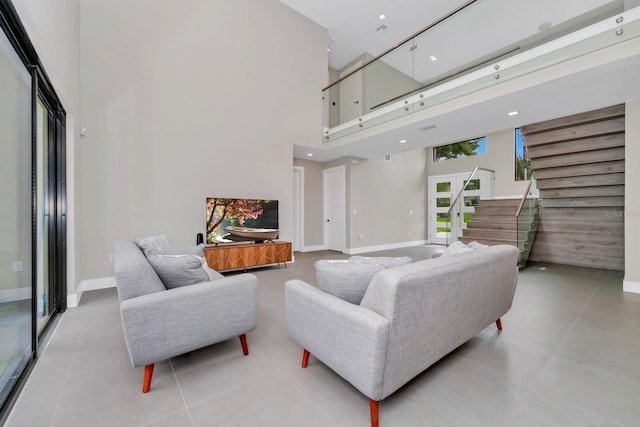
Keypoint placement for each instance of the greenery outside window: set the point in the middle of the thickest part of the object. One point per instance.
(522, 164)
(457, 150)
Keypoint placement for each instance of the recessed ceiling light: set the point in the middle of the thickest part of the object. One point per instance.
(513, 113)
(328, 50)
(433, 58)
(427, 127)
(309, 154)
(402, 141)
(382, 16)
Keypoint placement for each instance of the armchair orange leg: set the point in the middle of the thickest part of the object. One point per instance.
(374, 405)
(243, 342)
(305, 358)
(146, 382)
(499, 324)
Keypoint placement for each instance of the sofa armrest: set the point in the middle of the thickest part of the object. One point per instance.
(350, 339)
(165, 324)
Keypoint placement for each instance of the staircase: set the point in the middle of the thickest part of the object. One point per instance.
(579, 165)
(495, 223)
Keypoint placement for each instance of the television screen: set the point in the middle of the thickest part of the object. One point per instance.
(237, 220)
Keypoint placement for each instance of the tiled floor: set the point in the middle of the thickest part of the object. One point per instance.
(569, 355)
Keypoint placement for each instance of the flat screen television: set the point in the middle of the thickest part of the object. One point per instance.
(241, 220)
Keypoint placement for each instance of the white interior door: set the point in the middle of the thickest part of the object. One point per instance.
(351, 94)
(334, 198)
(298, 208)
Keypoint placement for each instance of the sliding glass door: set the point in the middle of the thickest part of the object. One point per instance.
(32, 206)
(16, 295)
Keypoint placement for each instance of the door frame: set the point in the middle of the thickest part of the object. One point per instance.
(298, 208)
(326, 202)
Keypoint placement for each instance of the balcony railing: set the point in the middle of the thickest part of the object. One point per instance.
(411, 77)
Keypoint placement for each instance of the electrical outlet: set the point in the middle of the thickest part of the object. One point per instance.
(111, 258)
(17, 266)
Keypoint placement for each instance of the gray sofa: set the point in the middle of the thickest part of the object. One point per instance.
(160, 323)
(411, 316)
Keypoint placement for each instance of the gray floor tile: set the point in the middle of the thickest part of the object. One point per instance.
(567, 356)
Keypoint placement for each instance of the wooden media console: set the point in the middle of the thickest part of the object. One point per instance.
(241, 256)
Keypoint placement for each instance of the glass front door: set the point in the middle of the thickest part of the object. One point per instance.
(446, 222)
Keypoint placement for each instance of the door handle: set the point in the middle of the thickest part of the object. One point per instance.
(328, 220)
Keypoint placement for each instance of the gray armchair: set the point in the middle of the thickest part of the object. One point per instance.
(160, 323)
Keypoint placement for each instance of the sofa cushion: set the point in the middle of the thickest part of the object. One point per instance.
(345, 279)
(179, 270)
(189, 250)
(387, 261)
(134, 275)
(155, 242)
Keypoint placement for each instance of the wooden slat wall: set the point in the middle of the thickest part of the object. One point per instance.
(579, 164)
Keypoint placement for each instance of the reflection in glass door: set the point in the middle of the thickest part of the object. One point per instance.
(16, 216)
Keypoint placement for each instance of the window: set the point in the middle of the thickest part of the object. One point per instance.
(457, 150)
(522, 162)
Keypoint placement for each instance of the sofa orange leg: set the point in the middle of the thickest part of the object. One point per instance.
(499, 324)
(243, 342)
(305, 358)
(146, 382)
(374, 405)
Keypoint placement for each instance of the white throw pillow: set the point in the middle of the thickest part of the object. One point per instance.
(184, 265)
(476, 245)
(456, 247)
(387, 261)
(345, 279)
(155, 242)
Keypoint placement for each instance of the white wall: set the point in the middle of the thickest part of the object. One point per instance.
(388, 203)
(187, 100)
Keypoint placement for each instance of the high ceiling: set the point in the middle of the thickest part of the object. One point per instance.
(484, 26)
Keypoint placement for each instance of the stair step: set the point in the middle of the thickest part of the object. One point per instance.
(604, 155)
(582, 130)
(582, 181)
(581, 170)
(495, 210)
(499, 202)
(589, 116)
(576, 202)
(490, 242)
(592, 214)
(599, 241)
(581, 260)
(599, 191)
(483, 233)
(493, 225)
(611, 227)
(493, 218)
(576, 146)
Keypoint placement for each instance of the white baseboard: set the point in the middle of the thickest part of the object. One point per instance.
(629, 286)
(355, 251)
(314, 248)
(89, 285)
